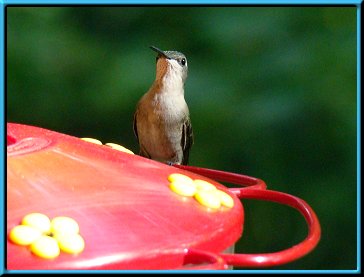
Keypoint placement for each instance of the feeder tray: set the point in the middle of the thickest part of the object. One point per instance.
(127, 214)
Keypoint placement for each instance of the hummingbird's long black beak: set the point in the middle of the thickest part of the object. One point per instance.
(160, 52)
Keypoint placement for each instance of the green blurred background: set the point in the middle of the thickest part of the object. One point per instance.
(271, 91)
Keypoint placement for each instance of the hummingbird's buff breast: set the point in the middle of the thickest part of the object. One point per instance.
(160, 120)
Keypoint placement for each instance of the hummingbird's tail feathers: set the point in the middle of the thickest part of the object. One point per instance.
(144, 153)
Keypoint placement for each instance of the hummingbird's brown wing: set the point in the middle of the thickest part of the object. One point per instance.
(186, 140)
(135, 129)
(142, 151)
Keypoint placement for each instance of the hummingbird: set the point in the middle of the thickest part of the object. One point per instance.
(162, 122)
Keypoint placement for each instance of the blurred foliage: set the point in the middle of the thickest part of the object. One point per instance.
(271, 90)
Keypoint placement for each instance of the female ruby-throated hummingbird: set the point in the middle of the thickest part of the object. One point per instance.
(161, 121)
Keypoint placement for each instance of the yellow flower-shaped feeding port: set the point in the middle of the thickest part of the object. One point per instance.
(47, 238)
(109, 144)
(204, 192)
(38, 221)
(208, 198)
(45, 247)
(92, 140)
(64, 225)
(182, 184)
(119, 147)
(24, 235)
(70, 243)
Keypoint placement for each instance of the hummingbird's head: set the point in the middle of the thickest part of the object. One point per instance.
(171, 63)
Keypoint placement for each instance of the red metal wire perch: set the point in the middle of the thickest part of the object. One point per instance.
(233, 178)
(256, 189)
(281, 257)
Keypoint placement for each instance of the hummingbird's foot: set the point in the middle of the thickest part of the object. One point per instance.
(171, 163)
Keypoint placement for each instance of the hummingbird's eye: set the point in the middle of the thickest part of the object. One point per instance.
(183, 61)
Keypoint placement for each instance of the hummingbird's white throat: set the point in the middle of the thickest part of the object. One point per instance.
(172, 80)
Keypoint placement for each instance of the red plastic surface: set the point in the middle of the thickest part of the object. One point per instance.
(128, 216)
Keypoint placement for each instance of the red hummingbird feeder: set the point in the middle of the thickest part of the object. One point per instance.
(127, 215)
